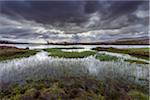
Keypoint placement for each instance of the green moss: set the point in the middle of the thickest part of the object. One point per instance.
(31, 92)
(104, 57)
(90, 96)
(16, 97)
(136, 95)
(18, 90)
(54, 89)
(138, 87)
(74, 88)
(63, 54)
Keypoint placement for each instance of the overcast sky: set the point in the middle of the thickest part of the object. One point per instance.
(73, 21)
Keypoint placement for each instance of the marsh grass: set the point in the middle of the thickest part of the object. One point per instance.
(104, 57)
(75, 88)
(137, 95)
(137, 52)
(139, 49)
(84, 75)
(58, 53)
(41, 66)
(42, 76)
(69, 48)
(12, 54)
(135, 61)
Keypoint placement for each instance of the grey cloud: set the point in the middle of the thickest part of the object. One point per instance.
(72, 11)
(68, 20)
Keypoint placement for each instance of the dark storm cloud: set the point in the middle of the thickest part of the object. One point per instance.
(120, 12)
(118, 8)
(46, 19)
(91, 6)
(76, 11)
(47, 11)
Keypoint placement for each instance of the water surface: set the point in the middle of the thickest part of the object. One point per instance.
(86, 47)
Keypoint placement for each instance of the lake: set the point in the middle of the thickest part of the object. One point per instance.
(86, 47)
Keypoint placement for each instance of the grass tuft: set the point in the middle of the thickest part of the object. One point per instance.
(136, 95)
(104, 57)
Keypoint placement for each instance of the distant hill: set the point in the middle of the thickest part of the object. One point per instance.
(11, 42)
(117, 42)
(130, 42)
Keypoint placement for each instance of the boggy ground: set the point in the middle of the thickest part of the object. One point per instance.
(71, 87)
(55, 52)
(137, 52)
(74, 88)
(8, 53)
